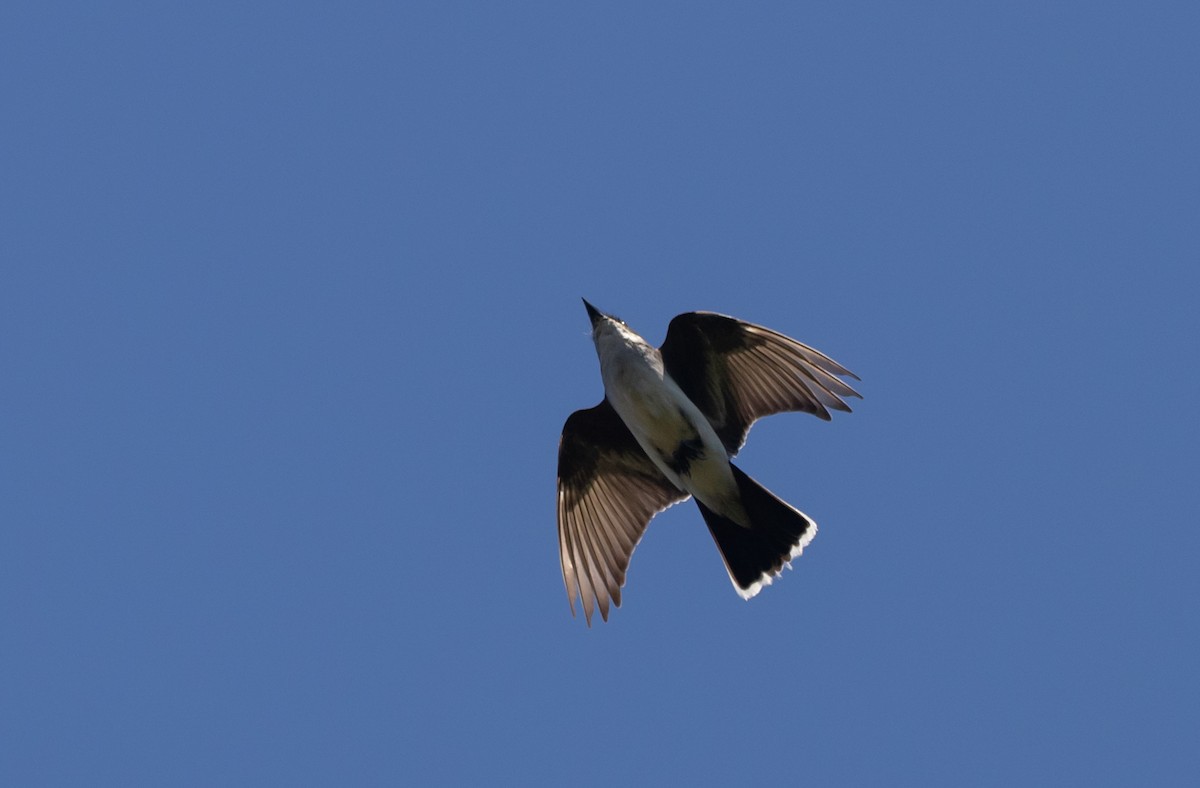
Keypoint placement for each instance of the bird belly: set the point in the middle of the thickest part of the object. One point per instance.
(677, 438)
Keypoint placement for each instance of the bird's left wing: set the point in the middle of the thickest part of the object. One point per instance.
(608, 490)
(737, 372)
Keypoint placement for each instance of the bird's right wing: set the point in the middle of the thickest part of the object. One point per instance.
(608, 490)
(737, 372)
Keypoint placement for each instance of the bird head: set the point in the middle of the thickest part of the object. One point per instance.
(610, 333)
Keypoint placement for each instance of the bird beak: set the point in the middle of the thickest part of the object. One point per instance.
(594, 314)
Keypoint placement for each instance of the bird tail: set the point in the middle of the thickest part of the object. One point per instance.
(754, 556)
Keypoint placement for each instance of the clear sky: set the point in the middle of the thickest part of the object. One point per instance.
(290, 324)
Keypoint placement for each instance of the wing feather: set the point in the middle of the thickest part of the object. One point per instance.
(608, 490)
(738, 372)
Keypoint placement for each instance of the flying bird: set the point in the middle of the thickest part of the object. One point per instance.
(671, 419)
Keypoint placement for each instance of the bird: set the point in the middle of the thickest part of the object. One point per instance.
(670, 421)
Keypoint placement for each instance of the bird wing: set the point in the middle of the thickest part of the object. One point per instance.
(737, 372)
(608, 490)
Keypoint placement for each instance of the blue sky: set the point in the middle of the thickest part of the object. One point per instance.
(290, 324)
